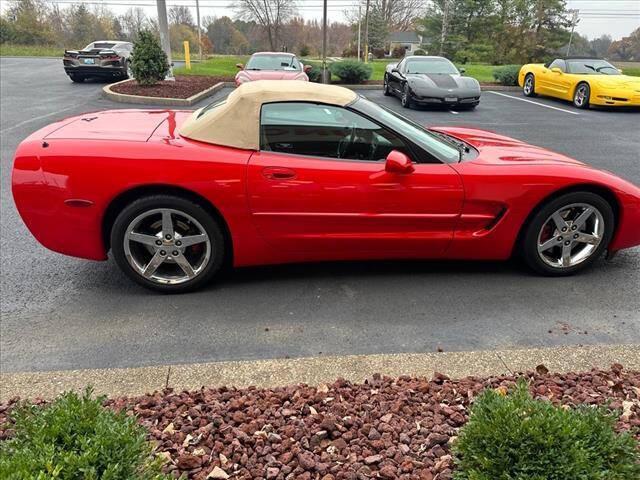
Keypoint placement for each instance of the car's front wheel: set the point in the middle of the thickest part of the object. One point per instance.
(568, 233)
(385, 86)
(405, 99)
(167, 243)
(582, 95)
(529, 87)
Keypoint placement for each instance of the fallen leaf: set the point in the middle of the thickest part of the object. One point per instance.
(169, 429)
(217, 472)
(542, 370)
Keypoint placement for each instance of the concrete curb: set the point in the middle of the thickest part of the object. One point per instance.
(178, 102)
(315, 370)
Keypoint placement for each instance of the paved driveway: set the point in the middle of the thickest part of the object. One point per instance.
(64, 313)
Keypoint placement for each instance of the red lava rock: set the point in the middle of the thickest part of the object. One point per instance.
(184, 86)
(386, 426)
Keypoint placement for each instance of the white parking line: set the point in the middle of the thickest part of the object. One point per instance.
(535, 103)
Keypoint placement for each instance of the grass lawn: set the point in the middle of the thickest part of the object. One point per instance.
(11, 50)
(226, 65)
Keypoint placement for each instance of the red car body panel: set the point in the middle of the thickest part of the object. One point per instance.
(285, 208)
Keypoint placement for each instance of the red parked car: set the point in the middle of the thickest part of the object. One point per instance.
(272, 66)
(296, 172)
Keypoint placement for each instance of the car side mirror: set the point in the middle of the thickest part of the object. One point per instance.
(462, 70)
(395, 70)
(556, 70)
(307, 68)
(239, 65)
(398, 163)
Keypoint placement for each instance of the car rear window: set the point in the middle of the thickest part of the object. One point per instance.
(103, 45)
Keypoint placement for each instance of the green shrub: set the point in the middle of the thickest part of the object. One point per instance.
(305, 51)
(507, 75)
(420, 52)
(148, 61)
(351, 71)
(76, 438)
(515, 437)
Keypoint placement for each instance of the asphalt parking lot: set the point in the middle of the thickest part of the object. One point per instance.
(65, 313)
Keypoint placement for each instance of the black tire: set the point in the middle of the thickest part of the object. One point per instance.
(529, 240)
(529, 87)
(582, 96)
(385, 86)
(405, 99)
(76, 78)
(202, 216)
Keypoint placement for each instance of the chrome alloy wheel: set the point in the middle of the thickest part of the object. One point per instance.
(570, 235)
(581, 95)
(167, 246)
(528, 85)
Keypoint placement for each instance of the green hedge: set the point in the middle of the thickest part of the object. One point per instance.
(515, 437)
(507, 75)
(351, 72)
(76, 438)
(149, 63)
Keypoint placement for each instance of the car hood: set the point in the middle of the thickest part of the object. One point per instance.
(498, 149)
(616, 81)
(444, 81)
(253, 75)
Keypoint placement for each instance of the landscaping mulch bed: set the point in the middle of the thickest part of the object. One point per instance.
(384, 428)
(184, 86)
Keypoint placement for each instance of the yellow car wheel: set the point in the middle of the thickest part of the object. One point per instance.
(529, 87)
(581, 95)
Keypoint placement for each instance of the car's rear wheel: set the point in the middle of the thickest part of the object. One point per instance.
(385, 86)
(405, 99)
(568, 234)
(529, 87)
(582, 95)
(77, 78)
(168, 244)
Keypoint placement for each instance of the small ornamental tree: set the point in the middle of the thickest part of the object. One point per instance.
(148, 61)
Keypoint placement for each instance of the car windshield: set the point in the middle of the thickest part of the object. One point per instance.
(432, 65)
(591, 67)
(103, 45)
(273, 62)
(437, 147)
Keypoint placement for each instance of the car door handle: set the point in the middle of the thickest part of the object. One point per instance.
(278, 173)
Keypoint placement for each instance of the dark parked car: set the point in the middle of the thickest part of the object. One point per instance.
(109, 59)
(422, 80)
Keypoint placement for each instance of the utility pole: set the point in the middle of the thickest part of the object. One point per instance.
(199, 30)
(163, 24)
(366, 33)
(325, 75)
(445, 25)
(574, 22)
(359, 25)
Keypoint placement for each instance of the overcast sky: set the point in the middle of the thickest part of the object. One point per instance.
(618, 18)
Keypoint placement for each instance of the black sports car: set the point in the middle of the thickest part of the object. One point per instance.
(105, 59)
(427, 80)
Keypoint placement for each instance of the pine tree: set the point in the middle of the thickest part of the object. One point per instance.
(148, 61)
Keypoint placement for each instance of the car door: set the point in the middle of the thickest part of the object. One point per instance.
(318, 185)
(558, 84)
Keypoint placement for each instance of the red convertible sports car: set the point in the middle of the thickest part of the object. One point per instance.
(295, 172)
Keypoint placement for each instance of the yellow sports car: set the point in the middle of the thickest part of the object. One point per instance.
(583, 81)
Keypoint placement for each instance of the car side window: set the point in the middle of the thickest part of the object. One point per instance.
(559, 64)
(319, 130)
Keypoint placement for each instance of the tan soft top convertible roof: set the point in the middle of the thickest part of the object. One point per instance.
(236, 123)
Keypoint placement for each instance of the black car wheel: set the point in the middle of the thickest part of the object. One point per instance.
(76, 78)
(405, 99)
(567, 234)
(529, 87)
(385, 86)
(582, 95)
(167, 243)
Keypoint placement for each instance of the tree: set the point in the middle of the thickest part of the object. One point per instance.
(29, 22)
(149, 63)
(181, 15)
(627, 48)
(378, 29)
(269, 14)
(133, 21)
(399, 15)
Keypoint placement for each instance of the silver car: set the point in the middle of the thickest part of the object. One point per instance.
(108, 59)
(424, 80)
